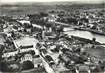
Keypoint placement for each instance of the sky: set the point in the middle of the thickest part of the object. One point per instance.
(85, 1)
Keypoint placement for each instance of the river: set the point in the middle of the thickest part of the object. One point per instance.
(87, 35)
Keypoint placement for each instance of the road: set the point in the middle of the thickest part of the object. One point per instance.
(47, 66)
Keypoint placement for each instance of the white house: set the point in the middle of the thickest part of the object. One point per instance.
(24, 21)
(27, 57)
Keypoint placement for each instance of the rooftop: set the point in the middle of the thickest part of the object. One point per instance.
(25, 41)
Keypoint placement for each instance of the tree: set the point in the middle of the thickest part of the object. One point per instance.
(43, 14)
(1, 52)
(32, 52)
(27, 65)
(94, 27)
(4, 66)
(12, 34)
(94, 39)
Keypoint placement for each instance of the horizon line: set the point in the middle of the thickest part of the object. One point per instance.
(72, 1)
(43, 1)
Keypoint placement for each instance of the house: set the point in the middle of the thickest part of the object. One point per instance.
(36, 60)
(24, 21)
(8, 54)
(37, 26)
(52, 18)
(26, 57)
(7, 29)
(91, 25)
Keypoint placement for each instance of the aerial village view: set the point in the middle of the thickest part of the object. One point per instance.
(52, 37)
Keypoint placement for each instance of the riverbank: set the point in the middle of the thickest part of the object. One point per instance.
(97, 52)
(86, 40)
(90, 30)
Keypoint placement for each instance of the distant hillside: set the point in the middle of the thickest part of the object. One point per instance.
(30, 8)
(36, 3)
(80, 6)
